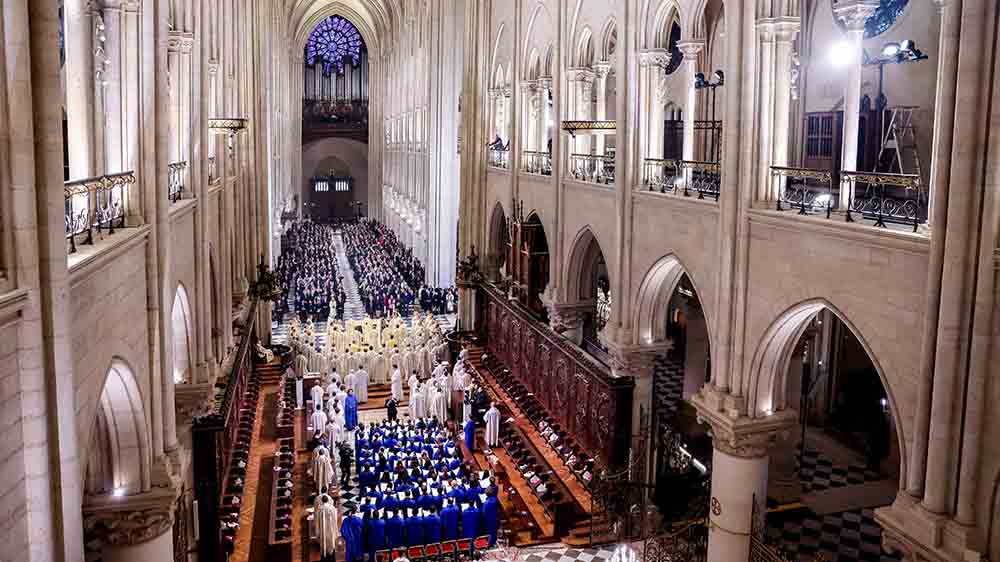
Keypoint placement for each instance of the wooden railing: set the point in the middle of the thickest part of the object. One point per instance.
(97, 203)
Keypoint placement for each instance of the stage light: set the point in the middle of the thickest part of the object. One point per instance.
(890, 49)
(720, 78)
(699, 80)
(841, 54)
(118, 492)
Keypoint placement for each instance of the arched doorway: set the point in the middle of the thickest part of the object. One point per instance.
(499, 248)
(844, 458)
(533, 251)
(589, 286)
(119, 455)
(180, 317)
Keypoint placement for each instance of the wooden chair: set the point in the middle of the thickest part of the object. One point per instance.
(382, 556)
(415, 553)
(481, 542)
(432, 551)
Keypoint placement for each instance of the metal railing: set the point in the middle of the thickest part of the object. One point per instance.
(881, 198)
(213, 170)
(662, 175)
(96, 204)
(592, 168)
(176, 176)
(703, 178)
(534, 162)
(499, 158)
(810, 191)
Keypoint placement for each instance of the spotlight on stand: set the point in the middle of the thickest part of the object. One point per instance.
(890, 49)
(699, 80)
(841, 54)
(720, 78)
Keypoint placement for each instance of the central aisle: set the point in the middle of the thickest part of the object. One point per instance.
(353, 309)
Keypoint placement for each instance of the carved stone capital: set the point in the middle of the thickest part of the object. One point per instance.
(780, 29)
(180, 42)
(602, 69)
(585, 75)
(691, 48)
(635, 360)
(855, 13)
(739, 435)
(129, 520)
(565, 317)
(192, 400)
(654, 57)
(917, 535)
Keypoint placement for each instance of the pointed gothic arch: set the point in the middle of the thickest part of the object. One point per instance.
(182, 340)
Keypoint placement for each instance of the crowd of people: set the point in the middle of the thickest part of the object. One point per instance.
(390, 278)
(307, 269)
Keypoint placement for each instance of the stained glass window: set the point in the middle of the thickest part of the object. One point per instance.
(334, 41)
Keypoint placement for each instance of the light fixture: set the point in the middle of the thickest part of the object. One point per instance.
(118, 492)
(700, 82)
(841, 54)
(229, 126)
(720, 78)
(890, 49)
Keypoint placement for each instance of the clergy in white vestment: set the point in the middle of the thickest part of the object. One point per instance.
(413, 381)
(341, 396)
(492, 419)
(301, 365)
(317, 421)
(417, 404)
(397, 384)
(326, 529)
(322, 469)
(439, 405)
(426, 361)
(352, 381)
(342, 364)
(334, 431)
(409, 360)
(316, 392)
(362, 392)
(440, 370)
(324, 364)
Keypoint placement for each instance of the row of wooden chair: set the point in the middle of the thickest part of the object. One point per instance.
(461, 549)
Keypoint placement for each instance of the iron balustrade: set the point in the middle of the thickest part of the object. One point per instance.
(499, 158)
(176, 175)
(882, 198)
(661, 174)
(895, 198)
(703, 178)
(803, 188)
(213, 171)
(96, 204)
(534, 162)
(592, 168)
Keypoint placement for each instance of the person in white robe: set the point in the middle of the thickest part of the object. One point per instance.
(397, 384)
(492, 419)
(342, 363)
(326, 529)
(341, 396)
(324, 364)
(362, 386)
(409, 360)
(317, 421)
(316, 392)
(322, 469)
(439, 405)
(440, 370)
(413, 381)
(426, 361)
(417, 404)
(352, 381)
(301, 365)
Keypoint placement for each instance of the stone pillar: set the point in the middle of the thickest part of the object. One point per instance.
(114, 154)
(690, 50)
(175, 93)
(739, 477)
(601, 71)
(652, 63)
(133, 527)
(567, 319)
(544, 115)
(854, 13)
(79, 25)
(637, 362)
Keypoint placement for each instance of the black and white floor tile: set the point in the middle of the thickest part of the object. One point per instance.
(850, 536)
(558, 553)
(818, 472)
(668, 385)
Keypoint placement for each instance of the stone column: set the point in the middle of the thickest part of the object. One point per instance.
(652, 63)
(601, 71)
(739, 478)
(544, 115)
(637, 362)
(133, 528)
(567, 319)
(854, 13)
(175, 93)
(79, 25)
(114, 154)
(695, 352)
(690, 50)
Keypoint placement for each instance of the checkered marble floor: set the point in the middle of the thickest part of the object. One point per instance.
(560, 553)
(668, 385)
(819, 473)
(850, 536)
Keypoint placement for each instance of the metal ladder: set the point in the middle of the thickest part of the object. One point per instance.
(900, 137)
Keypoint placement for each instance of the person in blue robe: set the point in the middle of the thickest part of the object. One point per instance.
(376, 536)
(470, 435)
(470, 522)
(491, 520)
(394, 531)
(449, 521)
(350, 529)
(432, 527)
(414, 529)
(350, 410)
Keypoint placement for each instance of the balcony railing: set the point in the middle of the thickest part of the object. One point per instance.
(213, 170)
(499, 158)
(592, 168)
(661, 175)
(176, 175)
(882, 198)
(703, 178)
(96, 204)
(534, 162)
